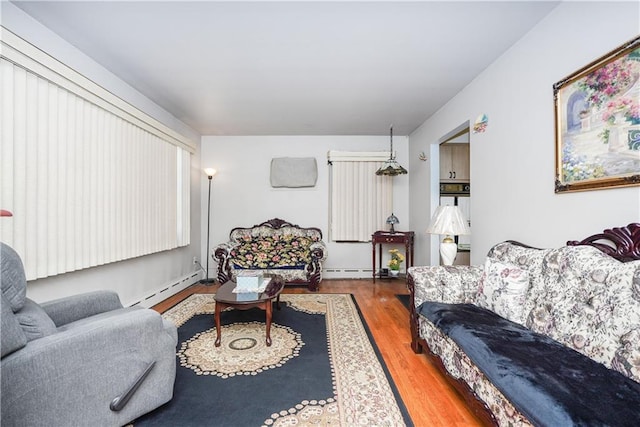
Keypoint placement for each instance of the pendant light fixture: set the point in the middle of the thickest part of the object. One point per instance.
(391, 167)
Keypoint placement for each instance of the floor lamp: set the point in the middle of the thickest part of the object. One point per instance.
(210, 173)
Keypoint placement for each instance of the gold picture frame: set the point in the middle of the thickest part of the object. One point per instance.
(597, 123)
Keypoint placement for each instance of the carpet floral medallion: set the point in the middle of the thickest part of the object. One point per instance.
(321, 369)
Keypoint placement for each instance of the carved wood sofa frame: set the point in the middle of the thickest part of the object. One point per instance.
(621, 243)
(313, 270)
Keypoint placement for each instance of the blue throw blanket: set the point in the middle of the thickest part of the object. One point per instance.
(551, 384)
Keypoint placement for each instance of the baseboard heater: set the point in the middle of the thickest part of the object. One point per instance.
(168, 290)
(347, 273)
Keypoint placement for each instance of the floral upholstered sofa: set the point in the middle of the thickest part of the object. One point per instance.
(276, 247)
(545, 337)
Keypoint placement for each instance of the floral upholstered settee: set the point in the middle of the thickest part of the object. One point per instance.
(276, 247)
(545, 337)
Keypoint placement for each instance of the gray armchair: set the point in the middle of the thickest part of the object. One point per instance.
(82, 360)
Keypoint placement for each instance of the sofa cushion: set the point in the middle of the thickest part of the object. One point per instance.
(503, 288)
(34, 321)
(272, 251)
(548, 382)
(13, 337)
(14, 282)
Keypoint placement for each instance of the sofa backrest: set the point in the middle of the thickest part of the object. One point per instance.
(591, 303)
(577, 295)
(273, 244)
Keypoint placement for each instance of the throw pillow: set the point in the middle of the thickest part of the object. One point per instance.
(503, 289)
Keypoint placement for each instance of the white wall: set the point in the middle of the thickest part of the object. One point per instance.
(513, 162)
(136, 278)
(242, 195)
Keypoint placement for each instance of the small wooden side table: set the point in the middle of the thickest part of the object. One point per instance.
(399, 237)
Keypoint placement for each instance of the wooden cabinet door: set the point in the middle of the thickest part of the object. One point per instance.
(460, 162)
(454, 163)
(446, 166)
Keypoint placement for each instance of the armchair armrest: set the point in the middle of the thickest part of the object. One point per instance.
(69, 309)
(449, 284)
(100, 359)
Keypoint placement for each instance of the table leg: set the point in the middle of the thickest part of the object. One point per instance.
(268, 309)
(380, 259)
(218, 329)
(373, 262)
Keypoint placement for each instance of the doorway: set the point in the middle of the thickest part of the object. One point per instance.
(453, 174)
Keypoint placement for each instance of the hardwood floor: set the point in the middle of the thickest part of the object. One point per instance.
(426, 394)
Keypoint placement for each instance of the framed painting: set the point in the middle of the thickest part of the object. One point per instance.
(597, 119)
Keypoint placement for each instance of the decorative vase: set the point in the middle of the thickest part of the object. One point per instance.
(619, 117)
(394, 273)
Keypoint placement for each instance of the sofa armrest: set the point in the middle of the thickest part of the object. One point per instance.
(69, 309)
(223, 249)
(318, 251)
(450, 284)
(222, 256)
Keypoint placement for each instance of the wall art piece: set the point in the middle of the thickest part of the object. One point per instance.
(597, 118)
(294, 172)
(480, 125)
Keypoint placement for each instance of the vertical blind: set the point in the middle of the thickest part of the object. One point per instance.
(86, 185)
(360, 201)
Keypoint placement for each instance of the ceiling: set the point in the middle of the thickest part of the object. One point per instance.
(294, 68)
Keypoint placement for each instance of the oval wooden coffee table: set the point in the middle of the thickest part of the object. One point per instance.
(226, 298)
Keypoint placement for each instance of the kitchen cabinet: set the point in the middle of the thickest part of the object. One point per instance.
(454, 163)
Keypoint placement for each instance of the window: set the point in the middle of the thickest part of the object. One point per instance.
(90, 179)
(360, 200)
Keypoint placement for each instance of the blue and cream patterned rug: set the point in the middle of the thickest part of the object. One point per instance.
(321, 370)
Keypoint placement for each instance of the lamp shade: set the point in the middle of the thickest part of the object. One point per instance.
(391, 167)
(210, 172)
(448, 220)
(392, 221)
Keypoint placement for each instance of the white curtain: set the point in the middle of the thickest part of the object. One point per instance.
(86, 186)
(360, 201)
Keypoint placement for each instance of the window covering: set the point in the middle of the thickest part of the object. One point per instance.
(88, 183)
(360, 200)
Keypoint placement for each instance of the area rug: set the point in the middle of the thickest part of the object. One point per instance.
(404, 299)
(322, 369)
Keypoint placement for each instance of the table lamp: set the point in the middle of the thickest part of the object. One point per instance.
(392, 220)
(448, 220)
